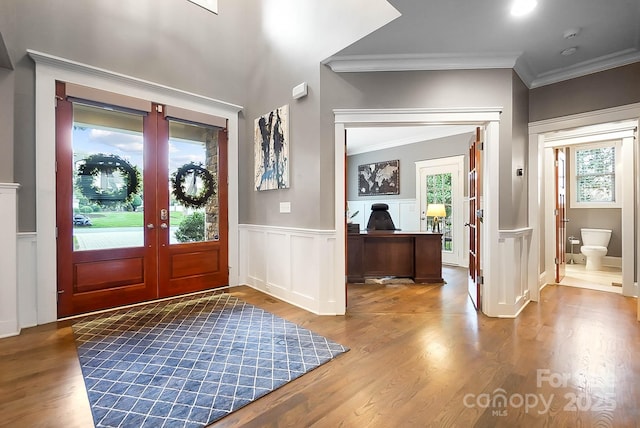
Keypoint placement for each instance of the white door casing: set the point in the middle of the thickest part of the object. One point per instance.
(487, 117)
(451, 165)
(618, 122)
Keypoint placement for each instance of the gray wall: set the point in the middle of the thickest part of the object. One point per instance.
(610, 88)
(594, 218)
(438, 89)
(287, 53)
(173, 43)
(408, 154)
(6, 126)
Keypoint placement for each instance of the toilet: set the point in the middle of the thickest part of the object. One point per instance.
(594, 246)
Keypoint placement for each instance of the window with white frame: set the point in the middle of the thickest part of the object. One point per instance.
(596, 174)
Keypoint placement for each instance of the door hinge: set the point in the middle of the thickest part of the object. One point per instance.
(556, 261)
(556, 212)
(56, 232)
(481, 280)
(481, 146)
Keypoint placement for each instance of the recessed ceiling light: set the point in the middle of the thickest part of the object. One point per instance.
(522, 7)
(569, 51)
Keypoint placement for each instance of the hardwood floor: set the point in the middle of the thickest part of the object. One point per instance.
(420, 356)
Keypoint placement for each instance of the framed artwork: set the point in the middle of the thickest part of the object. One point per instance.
(380, 178)
(271, 150)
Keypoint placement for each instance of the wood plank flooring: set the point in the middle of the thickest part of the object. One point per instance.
(420, 356)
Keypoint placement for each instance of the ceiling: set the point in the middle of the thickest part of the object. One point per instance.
(463, 34)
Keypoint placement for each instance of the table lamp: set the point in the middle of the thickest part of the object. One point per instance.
(436, 211)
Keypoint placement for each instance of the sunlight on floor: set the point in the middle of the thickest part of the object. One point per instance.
(602, 280)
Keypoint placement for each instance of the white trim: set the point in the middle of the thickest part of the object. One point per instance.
(50, 68)
(416, 62)
(578, 124)
(474, 61)
(489, 117)
(455, 166)
(606, 62)
(9, 308)
(618, 174)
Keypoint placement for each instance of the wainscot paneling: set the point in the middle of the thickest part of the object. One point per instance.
(514, 275)
(294, 265)
(9, 325)
(404, 212)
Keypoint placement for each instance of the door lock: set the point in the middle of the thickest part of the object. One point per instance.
(164, 215)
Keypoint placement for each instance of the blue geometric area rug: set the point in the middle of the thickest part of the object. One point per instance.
(190, 363)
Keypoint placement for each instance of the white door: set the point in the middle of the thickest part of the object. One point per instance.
(439, 183)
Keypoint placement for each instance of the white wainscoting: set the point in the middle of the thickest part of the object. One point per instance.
(404, 212)
(514, 272)
(8, 269)
(294, 265)
(27, 280)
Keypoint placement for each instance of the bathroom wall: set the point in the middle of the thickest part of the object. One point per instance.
(594, 218)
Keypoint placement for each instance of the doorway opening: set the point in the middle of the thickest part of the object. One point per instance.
(141, 212)
(487, 118)
(612, 124)
(441, 182)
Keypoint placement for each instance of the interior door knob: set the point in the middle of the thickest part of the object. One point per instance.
(163, 225)
(150, 226)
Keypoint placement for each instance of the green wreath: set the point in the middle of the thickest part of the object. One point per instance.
(196, 198)
(98, 164)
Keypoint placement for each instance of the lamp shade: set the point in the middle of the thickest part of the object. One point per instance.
(436, 210)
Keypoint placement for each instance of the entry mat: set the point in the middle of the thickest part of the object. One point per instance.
(192, 362)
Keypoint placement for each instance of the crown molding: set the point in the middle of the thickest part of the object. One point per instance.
(425, 62)
(416, 62)
(607, 62)
(88, 70)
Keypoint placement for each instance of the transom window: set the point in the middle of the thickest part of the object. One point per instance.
(595, 175)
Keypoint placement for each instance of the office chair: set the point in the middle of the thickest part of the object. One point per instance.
(380, 219)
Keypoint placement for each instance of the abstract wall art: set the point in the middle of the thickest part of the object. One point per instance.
(271, 150)
(380, 178)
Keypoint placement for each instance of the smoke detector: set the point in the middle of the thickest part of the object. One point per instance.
(571, 33)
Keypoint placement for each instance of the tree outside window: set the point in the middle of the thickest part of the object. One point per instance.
(594, 180)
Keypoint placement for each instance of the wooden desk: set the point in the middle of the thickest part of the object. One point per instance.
(416, 255)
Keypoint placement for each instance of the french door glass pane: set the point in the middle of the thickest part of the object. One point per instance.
(193, 172)
(439, 192)
(108, 161)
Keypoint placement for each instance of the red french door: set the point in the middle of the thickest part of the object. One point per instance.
(123, 236)
(475, 220)
(560, 214)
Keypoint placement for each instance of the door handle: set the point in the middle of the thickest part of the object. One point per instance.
(164, 226)
(150, 226)
(467, 224)
(566, 220)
